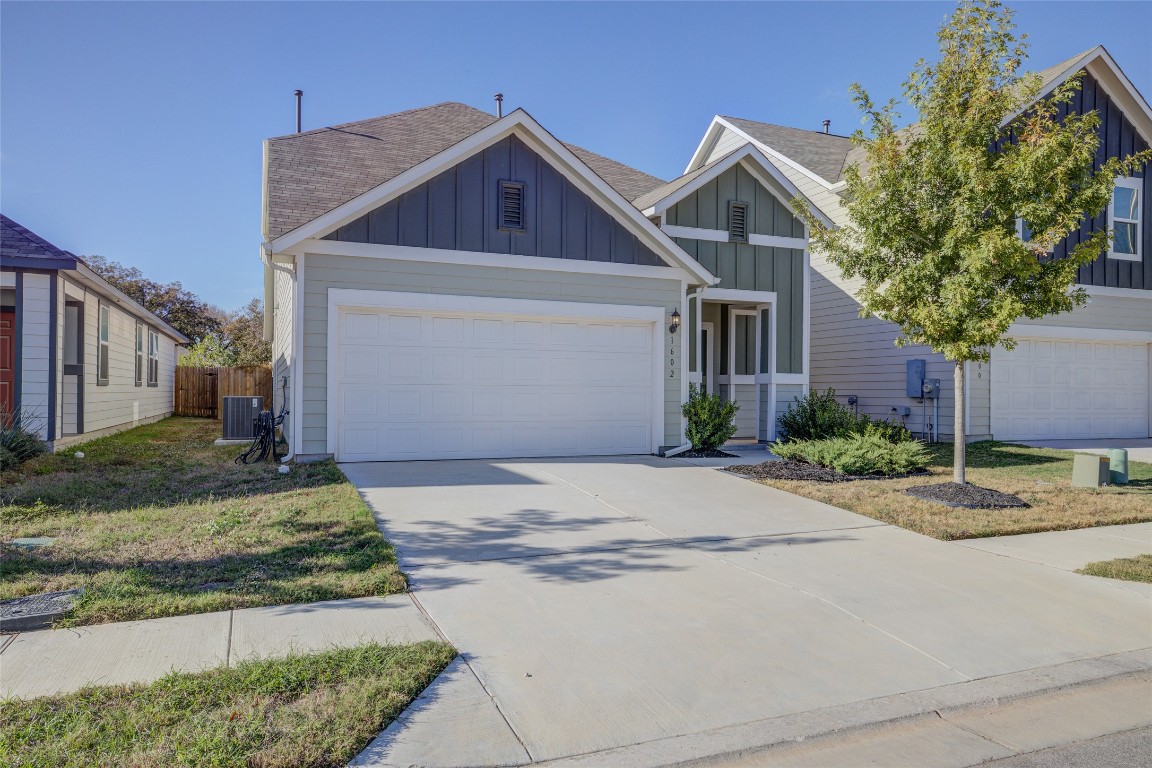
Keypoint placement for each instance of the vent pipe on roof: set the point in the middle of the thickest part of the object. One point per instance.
(827, 125)
(499, 105)
(299, 99)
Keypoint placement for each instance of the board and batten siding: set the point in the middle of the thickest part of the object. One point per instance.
(459, 210)
(322, 272)
(121, 404)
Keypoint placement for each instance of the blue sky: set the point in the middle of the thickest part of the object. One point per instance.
(133, 130)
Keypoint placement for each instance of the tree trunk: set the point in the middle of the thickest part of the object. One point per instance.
(958, 430)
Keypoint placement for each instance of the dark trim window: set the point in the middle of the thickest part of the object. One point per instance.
(153, 358)
(102, 345)
(737, 222)
(139, 354)
(512, 205)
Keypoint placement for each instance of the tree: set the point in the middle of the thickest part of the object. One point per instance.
(171, 302)
(932, 223)
(239, 341)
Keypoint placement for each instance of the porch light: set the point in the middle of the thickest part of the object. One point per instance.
(675, 321)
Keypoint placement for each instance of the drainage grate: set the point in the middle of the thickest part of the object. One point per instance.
(22, 614)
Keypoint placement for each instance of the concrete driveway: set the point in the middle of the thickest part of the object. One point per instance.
(601, 603)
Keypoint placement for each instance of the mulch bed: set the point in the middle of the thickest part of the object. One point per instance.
(799, 470)
(713, 454)
(966, 496)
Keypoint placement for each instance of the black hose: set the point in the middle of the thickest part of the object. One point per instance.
(265, 441)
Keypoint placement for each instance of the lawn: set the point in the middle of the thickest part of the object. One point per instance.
(156, 521)
(1137, 568)
(316, 710)
(1040, 476)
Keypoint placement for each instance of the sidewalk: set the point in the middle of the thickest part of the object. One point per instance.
(53, 661)
(1071, 550)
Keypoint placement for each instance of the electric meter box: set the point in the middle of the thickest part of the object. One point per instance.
(917, 369)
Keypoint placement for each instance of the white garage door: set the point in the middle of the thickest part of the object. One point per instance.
(1053, 389)
(440, 385)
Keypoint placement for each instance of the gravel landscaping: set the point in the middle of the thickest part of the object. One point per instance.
(709, 454)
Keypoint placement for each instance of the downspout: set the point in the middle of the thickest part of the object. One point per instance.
(269, 332)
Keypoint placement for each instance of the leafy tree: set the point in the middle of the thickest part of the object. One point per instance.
(210, 352)
(932, 223)
(171, 302)
(239, 341)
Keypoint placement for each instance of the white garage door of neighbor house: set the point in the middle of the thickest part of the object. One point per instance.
(1054, 389)
(446, 385)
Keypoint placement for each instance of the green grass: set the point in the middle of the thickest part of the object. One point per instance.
(1137, 568)
(1040, 476)
(316, 710)
(156, 521)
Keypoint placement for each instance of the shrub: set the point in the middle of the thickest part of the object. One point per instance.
(818, 416)
(711, 421)
(858, 454)
(892, 431)
(17, 444)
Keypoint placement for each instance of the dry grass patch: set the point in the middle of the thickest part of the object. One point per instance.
(317, 710)
(1040, 476)
(1137, 568)
(157, 521)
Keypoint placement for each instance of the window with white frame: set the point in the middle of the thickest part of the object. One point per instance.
(102, 348)
(153, 358)
(139, 355)
(1124, 219)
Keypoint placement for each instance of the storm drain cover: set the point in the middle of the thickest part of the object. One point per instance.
(22, 614)
(33, 542)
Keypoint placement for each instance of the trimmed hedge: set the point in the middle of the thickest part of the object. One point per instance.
(711, 421)
(858, 454)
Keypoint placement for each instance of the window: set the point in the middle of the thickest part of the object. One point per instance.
(102, 349)
(737, 222)
(153, 358)
(1024, 232)
(511, 205)
(139, 354)
(1124, 219)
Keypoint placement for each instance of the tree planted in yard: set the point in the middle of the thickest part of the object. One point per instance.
(931, 228)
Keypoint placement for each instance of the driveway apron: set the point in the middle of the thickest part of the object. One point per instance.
(607, 602)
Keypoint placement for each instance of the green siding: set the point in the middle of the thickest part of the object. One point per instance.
(707, 207)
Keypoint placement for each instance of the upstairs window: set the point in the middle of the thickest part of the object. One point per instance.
(139, 355)
(737, 222)
(511, 205)
(1124, 219)
(102, 348)
(1024, 232)
(153, 358)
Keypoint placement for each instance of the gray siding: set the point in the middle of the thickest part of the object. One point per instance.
(282, 298)
(35, 346)
(707, 207)
(459, 210)
(322, 272)
(785, 395)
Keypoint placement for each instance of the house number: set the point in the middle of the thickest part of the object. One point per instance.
(672, 361)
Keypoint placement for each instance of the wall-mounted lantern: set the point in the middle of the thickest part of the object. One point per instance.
(675, 321)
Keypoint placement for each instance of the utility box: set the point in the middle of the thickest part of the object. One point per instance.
(1118, 466)
(1090, 470)
(916, 370)
(240, 415)
(931, 389)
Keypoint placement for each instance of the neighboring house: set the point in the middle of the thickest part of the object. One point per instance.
(1083, 374)
(78, 358)
(441, 283)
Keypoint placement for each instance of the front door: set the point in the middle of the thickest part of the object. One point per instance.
(706, 384)
(7, 365)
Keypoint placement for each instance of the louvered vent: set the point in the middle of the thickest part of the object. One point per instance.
(511, 205)
(738, 222)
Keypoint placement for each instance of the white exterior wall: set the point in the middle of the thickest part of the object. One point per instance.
(35, 343)
(283, 296)
(321, 272)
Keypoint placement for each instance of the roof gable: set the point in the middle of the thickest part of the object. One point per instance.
(20, 246)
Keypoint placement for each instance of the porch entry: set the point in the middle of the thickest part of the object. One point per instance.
(732, 355)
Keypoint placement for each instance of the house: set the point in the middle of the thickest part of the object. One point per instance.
(78, 358)
(443, 283)
(1083, 374)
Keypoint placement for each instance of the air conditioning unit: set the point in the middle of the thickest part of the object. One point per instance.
(240, 415)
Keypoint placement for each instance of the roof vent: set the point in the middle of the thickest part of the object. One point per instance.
(827, 125)
(511, 205)
(299, 100)
(738, 222)
(499, 105)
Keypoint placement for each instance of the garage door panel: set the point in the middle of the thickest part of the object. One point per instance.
(443, 385)
(1056, 389)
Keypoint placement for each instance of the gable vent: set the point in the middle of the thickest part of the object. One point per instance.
(511, 205)
(738, 222)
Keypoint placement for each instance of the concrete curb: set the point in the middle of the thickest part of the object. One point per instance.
(744, 740)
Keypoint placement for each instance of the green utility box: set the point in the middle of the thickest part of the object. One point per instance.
(1090, 470)
(1118, 466)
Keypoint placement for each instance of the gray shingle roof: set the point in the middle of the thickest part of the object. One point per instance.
(821, 153)
(311, 173)
(651, 198)
(17, 242)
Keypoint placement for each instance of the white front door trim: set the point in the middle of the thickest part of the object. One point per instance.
(345, 298)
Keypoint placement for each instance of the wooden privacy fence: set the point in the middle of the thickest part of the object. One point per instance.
(201, 391)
